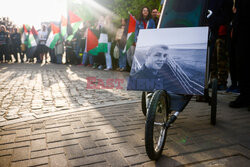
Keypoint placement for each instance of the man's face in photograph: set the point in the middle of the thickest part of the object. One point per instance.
(156, 58)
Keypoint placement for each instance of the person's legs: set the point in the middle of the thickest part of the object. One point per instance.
(232, 66)
(14, 51)
(84, 58)
(91, 61)
(222, 63)
(6, 53)
(1, 53)
(108, 58)
(122, 60)
(243, 58)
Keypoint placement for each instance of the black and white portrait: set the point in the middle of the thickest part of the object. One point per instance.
(173, 59)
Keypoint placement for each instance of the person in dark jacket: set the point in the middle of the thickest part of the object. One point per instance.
(4, 40)
(154, 15)
(219, 26)
(242, 53)
(16, 43)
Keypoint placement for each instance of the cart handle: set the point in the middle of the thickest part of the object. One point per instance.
(210, 12)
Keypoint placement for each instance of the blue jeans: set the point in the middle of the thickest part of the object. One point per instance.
(108, 57)
(87, 56)
(122, 59)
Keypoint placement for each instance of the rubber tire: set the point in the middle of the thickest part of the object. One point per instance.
(214, 102)
(149, 126)
(143, 103)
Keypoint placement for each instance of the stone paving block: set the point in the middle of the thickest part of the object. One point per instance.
(39, 161)
(36, 137)
(115, 159)
(21, 154)
(99, 150)
(126, 149)
(66, 130)
(102, 143)
(62, 144)
(23, 132)
(90, 129)
(58, 161)
(6, 152)
(5, 161)
(87, 143)
(53, 137)
(7, 139)
(77, 125)
(57, 125)
(23, 139)
(74, 152)
(138, 159)
(119, 135)
(117, 141)
(37, 145)
(75, 136)
(229, 161)
(87, 161)
(38, 132)
(52, 130)
(98, 135)
(15, 145)
(45, 153)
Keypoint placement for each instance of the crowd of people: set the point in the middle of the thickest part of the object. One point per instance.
(74, 49)
(227, 48)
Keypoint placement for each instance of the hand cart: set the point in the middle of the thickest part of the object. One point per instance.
(162, 108)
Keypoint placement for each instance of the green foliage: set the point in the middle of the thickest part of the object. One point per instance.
(119, 7)
(122, 7)
(82, 10)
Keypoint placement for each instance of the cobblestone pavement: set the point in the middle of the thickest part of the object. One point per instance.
(114, 135)
(30, 90)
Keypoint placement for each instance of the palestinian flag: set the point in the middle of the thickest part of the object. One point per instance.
(103, 43)
(92, 43)
(75, 21)
(31, 40)
(131, 33)
(64, 26)
(53, 36)
(24, 34)
(35, 33)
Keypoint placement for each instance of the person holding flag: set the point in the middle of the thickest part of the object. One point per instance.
(144, 22)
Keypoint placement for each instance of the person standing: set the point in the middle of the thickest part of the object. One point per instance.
(42, 37)
(154, 15)
(121, 38)
(242, 53)
(144, 22)
(16, 44)
(4, 39)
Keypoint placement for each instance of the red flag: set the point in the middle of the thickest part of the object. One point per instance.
(73, 18)
(33, 30)
(25, 29)
(54, 28)
(63, 21)
(132, 24)
(92, 41)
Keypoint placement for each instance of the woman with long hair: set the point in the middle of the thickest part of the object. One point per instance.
(145, 21)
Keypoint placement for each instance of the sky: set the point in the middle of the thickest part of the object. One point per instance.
(33, 12)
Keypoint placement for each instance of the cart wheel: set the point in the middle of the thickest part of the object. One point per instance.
(155, 130)
(214, 102)
(143, 103)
